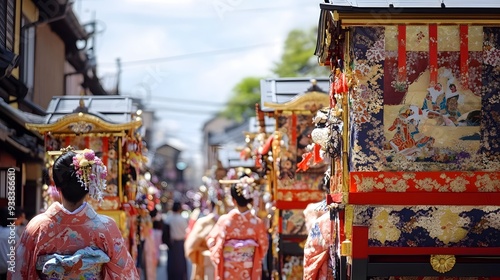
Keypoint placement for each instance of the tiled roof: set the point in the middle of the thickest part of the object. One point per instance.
(282, 90)
(112, 108)
(417, 4)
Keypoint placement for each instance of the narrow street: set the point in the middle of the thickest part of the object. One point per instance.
(161, 271)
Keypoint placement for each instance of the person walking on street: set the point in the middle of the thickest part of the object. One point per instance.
(238, 242)
(196, 244)
(174, 235)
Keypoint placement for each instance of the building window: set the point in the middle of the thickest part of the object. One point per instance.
(8, 177)
(27, 60)
(7, 19)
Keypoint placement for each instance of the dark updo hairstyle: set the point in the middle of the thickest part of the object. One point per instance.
(177, 206)
(65, 178)
(238, 196)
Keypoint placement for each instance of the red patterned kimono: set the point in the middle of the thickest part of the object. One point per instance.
(82, 245)
(317, 250)
(238, 243)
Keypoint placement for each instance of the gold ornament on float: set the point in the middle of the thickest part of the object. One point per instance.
(442, 263)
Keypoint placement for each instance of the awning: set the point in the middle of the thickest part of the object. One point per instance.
(335, 17)
(15, 135)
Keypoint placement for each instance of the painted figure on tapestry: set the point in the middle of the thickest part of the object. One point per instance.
(434, 100)
(451, 109)
(444, 106)
(450, 79)
(70, 240)
(407, 138)
(239, 241)
(416, 130)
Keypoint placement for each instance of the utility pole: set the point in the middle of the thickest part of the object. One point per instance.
(119, 66)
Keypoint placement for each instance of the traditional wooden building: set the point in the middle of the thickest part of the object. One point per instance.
(36, 36)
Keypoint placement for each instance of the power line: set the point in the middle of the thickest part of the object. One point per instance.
(183, 110)
(166, 115)
(197, 101)
(167, 109)
(189, 101)
(188, 56)
(275, 8)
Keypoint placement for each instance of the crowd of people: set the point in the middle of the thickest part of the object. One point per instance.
(231, 245)
(70, 240)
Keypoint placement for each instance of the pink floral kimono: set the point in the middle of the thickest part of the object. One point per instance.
(238, 243)
(82, 245)
(318, 259)
(195, 245)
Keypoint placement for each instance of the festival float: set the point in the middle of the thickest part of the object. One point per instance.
(107, 125)
(297, 173)
(415, 90)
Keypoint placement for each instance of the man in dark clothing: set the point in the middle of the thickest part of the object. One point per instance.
(174, 234)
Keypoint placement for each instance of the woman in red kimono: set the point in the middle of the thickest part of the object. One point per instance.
(238, 242)
(70, 240)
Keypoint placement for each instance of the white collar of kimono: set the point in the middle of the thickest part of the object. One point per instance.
(77, 210)
(237, 211)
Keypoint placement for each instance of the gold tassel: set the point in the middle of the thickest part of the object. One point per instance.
(346, 248)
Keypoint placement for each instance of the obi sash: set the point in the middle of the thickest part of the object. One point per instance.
(86, 263)
(239, 250)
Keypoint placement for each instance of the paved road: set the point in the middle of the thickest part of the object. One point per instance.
(161, 271)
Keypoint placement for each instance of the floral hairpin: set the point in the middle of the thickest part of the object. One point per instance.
(91, 173)
(67, 149)
(245, 187)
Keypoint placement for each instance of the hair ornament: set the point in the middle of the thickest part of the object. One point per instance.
(91, 172)
(67, 149)
(245, 187)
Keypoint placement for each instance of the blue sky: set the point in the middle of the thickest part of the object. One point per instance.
(187, 55)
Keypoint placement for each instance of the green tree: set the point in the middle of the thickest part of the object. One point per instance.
(298, 59)
(245, 95)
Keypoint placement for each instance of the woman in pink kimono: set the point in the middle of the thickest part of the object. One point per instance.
(318, 250)
(70, 240)
(238, 242)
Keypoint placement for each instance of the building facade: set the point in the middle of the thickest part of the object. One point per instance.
(40, 57)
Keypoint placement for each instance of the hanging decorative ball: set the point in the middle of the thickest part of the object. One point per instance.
(320, 136)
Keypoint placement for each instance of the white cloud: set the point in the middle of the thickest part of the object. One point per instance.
(161, 2)
(154, 29)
